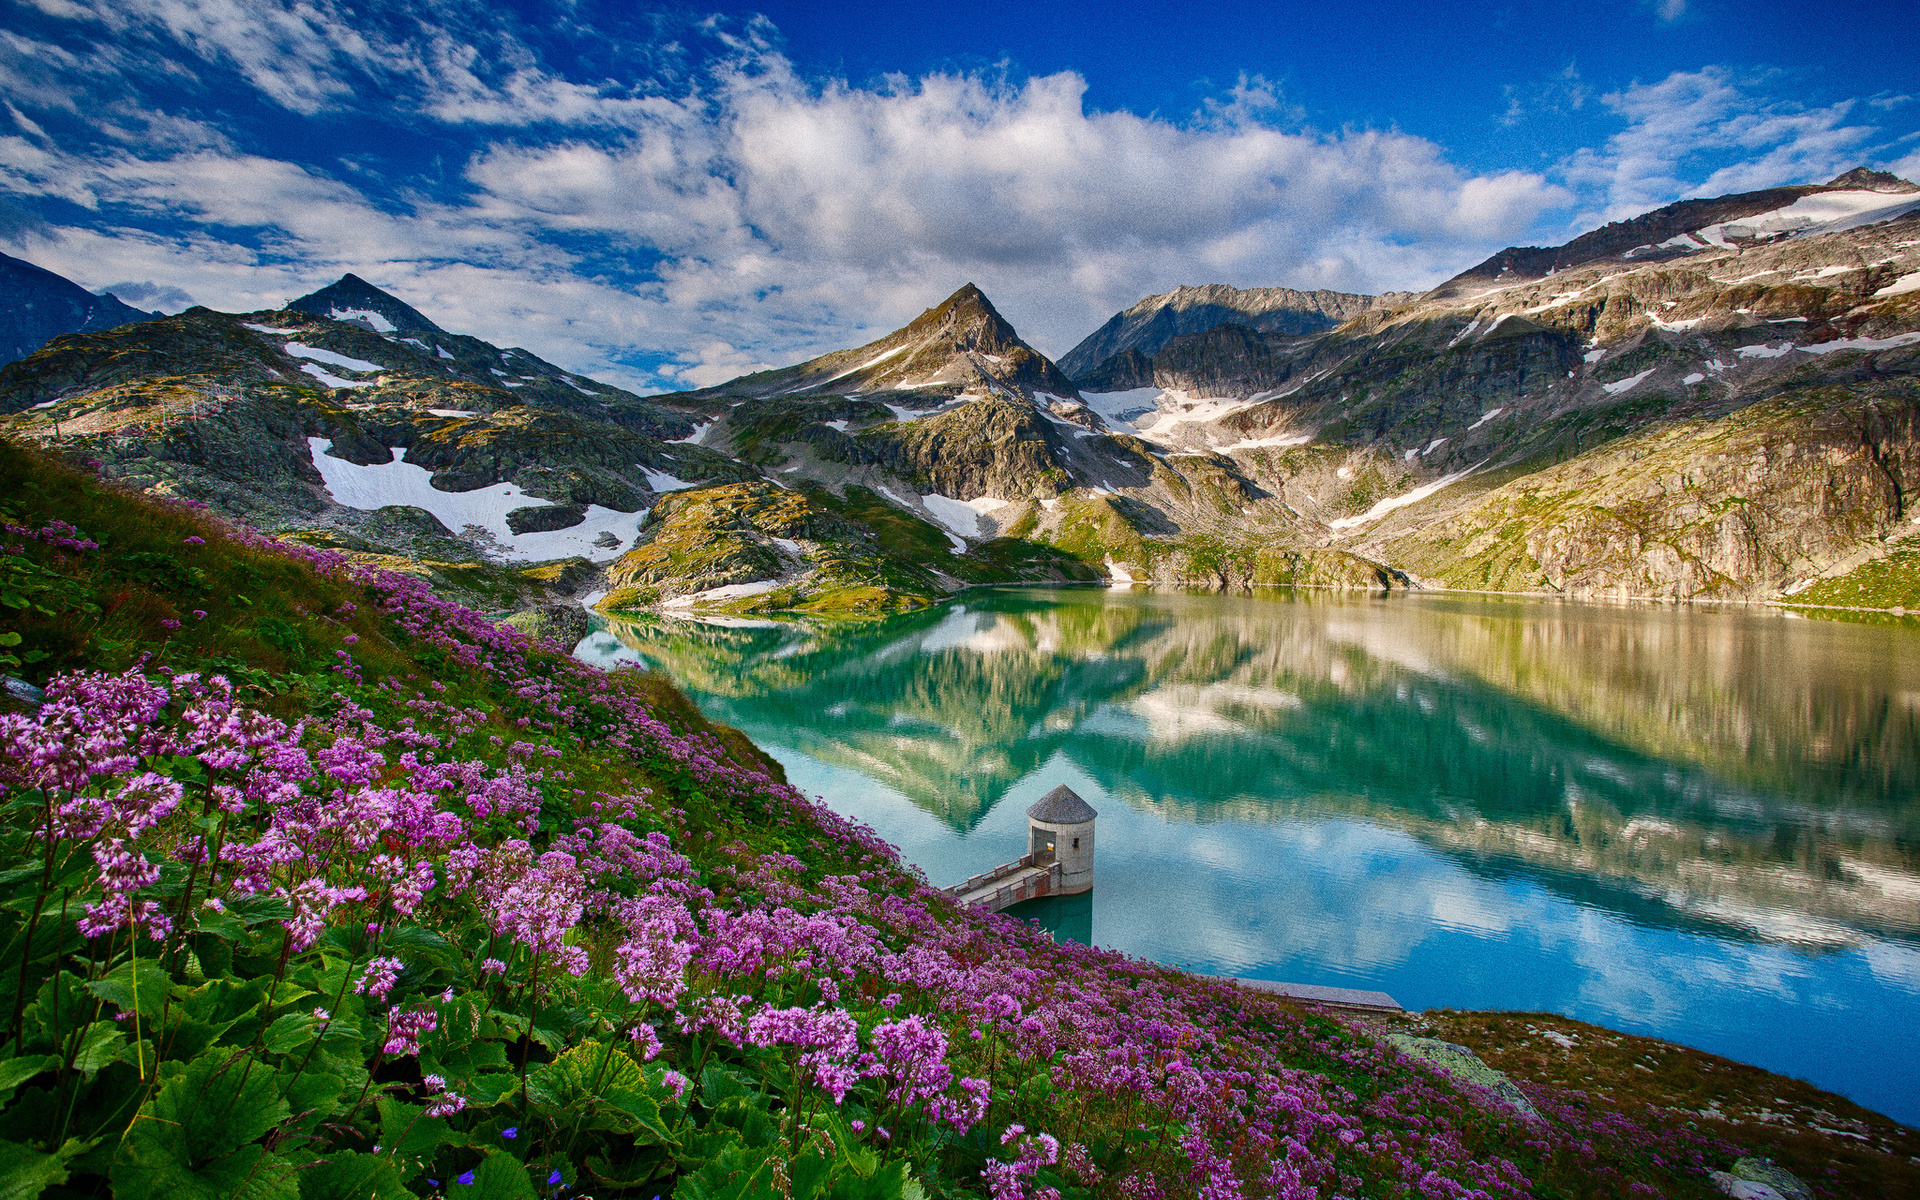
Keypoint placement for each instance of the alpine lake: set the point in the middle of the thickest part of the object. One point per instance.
(1700, 823)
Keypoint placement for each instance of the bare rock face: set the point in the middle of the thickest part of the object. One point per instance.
(1157, 320)
(991, 447)
(564, 624)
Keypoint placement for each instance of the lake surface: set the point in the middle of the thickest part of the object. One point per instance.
(1695, 823)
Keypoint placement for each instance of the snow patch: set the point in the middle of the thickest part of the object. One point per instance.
(1118, 573)
(872, 362)
(660, 481)
(1489, 415)
(298, 350)
(380, 324)
(731, 591)
(265, 329)
(698, 435)
(1120, 408)
(1297, 439)
(1383, 507)
(1433, 445)
(401, 482)
(333, 381)
(1859, 343)
(451, 412)
(962, 516)
(1593, 356)
(442, 350)
(1764, 351)
(1628, 384)
(788, 544)
(1901, 286)
(1696, 377)
(1823, 212)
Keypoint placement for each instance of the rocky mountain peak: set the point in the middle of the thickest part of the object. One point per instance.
(969, 320)
(1873, 181)
(351, 298)
(1152, 323)
(37, 306)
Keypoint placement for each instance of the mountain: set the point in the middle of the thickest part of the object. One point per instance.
(350, 420)
(351, 298)
(1718, 400)
(1157, 320)
(37, 306)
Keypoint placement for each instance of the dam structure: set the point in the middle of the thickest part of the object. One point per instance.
(1058, 861)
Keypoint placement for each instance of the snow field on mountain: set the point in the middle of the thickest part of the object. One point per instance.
(332, 380)
(660, 481)
(401, 482)
(1824, 212)
(1120, 408)
(331, 358)
(1383, 507)
(962, 516)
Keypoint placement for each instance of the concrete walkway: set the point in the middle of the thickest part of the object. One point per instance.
(1328, 997)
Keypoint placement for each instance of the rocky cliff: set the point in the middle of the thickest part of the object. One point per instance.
(1157, 320)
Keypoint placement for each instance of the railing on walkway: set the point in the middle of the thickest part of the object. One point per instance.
(1024, 880)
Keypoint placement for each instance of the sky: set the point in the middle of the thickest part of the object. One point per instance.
(668, 196)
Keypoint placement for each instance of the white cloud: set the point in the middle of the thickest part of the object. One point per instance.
(1709, 133)
(726, 216)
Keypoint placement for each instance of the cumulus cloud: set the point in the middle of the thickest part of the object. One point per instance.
(836, 199)
(680, 204)
(158, 297)
(1708, 133)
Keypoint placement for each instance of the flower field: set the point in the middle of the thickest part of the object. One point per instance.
(319, 886)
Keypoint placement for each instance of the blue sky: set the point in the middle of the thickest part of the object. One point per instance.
(665, 197)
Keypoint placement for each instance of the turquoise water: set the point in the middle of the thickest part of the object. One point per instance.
(1698, 824)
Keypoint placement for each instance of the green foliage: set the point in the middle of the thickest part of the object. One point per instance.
(197, 1137)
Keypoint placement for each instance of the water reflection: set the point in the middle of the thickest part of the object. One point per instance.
(1726, 770)
(1700, 824)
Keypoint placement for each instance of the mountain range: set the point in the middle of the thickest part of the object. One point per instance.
(1714, 400)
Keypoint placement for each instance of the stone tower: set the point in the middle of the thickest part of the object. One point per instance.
(1060, 826)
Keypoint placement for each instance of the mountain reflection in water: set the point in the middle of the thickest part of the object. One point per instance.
(1696, 822)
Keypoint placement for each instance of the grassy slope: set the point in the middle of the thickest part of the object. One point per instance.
(276, 626)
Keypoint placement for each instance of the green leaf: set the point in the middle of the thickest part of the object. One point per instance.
(135, 985)
(602, 1079)
(16, 1071)
(353, 1176)
(220, 925)
(735, 1173)
(10, 638)
(718, 1083)
(56, 1010)
(489, 1088)
(191, 1141)
(554, 1028)
(25, 1172)
(289, 1033)
(498, 1177)
(104, 1042)
(888, 1183)
(410, 1137)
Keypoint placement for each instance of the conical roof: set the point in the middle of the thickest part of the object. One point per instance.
(1061, 806)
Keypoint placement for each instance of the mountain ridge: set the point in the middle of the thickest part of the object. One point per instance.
(1729, 416)
(38, 305)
